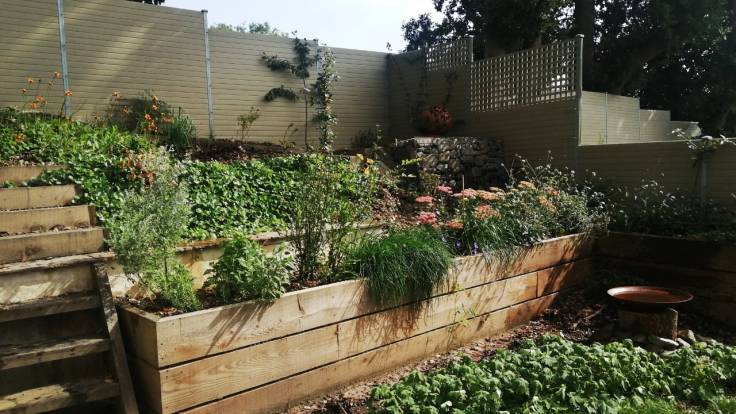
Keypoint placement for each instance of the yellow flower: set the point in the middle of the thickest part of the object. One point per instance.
(57, 75)
(369, 161)
(154, 107)
(115, 94)
(526, 185)
(68, 92)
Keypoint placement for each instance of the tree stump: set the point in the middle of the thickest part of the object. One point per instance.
(662, 323)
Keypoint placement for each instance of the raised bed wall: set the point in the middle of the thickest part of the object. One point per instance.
(264, 357)
(706, 269)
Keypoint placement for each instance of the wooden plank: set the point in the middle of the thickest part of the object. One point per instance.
(189, 384)
(669, 251)
(49, 306)
(379, 329)
(57, 396)
(22, 198)
(44, 219)
(563, 277)
(23, 355)
(194, 335)
(55, 263)
(45, 283)
(28, 247)
(126, 402)
(281, 395)
(18, 174)
(208, 379)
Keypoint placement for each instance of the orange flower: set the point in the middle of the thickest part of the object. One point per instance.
(526, 185)
(30, 81)
(544, 201)
(154, 98)
(34, 105)
(147, 117)
(115, 94)
(50, 83)
(23, 90)
(489, 196)
(19, 137)
(40, 99)
(57, 75)
(68, 92)
(126, 110)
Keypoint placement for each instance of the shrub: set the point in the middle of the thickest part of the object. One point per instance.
(554, 375)
(404, 264)
(245, 272)
(331, 198)
(148, 226)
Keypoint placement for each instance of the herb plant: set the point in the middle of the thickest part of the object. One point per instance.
(245, 272)
(405, 264)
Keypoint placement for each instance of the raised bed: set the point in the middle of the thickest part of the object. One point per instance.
(260, 357)
(706, 269)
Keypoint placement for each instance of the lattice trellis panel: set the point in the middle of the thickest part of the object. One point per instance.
(528, 77)
(450, 55)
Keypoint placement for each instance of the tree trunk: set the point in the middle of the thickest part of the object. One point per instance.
(585, 25)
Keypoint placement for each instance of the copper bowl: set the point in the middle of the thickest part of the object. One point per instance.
(649, 297)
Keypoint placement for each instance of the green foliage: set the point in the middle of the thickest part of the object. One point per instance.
(245, 272)
(403, 264)
(322, 97)
(246, 120)
(331, 198)
(264, 28)
(179, 131)
(147, 227)
(281, 92)
(554, 375)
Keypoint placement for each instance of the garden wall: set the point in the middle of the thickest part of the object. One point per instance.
(668, 163)
(706, 269)
(264, 357)
(129, 47)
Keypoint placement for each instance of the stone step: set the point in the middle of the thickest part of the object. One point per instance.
(45, 219)
(19, 174)
(15, 356)
(25, 247)
(58, 396)
(48, 306)
(26, 198)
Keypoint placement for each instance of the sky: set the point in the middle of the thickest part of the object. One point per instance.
(355, 24)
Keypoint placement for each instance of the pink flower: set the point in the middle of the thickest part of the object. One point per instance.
(425, 199)
(426, 217)
(444, 189)
(484, 212)
(466, 193)
(455, 224)
(489, 196)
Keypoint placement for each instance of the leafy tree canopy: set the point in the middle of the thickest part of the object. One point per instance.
(156, 2)
(264, 28)
(674, 54)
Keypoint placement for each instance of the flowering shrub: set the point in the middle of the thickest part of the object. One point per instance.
(547, 203)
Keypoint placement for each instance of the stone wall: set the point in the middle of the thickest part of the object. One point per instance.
(474, 162)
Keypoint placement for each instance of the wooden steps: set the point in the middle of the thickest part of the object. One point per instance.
(58, 396)
(25, 198)
(45, 219)
(25, 247)
(48, 306)
(19, 174)
(15, 356)
(58, 322)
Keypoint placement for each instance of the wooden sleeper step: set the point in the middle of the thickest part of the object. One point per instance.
(15, 356)
(49, 306)
(25, 247)
(45, 219)
(58, 396)
(18, 174)
(24, 198)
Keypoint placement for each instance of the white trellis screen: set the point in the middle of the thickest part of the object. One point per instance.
(533, 76)
(450, 55)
